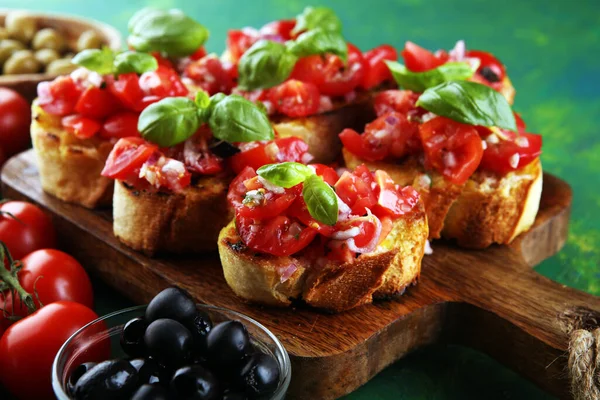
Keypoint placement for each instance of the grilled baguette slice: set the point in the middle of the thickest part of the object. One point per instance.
(70, 167)
(185, 222)
(486, 209)
(395, 265)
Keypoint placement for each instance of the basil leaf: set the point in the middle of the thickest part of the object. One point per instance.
(286, 174)
(202, 99)
(319, 41)
(419, 81)
(264, 65)
(320, 200)
(235, 119)
(132, 61)
(170, 121)
(317, 17)
(470, 103)
(168, 31)
(100, 61)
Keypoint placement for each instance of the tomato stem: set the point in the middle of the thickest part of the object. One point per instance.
(10, 278)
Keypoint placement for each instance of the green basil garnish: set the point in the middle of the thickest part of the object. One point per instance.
(105, 61)
(317, 17)
(419, 81)
(170, 121)
(285, 174)
(167, 31)
(264, 65)
(132, 61)
(320, 200)
(319, 41)
(236, 119)
(100, 61)
(470, 103)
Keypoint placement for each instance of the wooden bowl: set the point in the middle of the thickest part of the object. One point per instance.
(71, 27)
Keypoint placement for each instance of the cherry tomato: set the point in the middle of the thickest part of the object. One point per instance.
(490, 68)
(210, 74)
(452, 148)
(511, 155)
(418, 59)
(198, 54)
(58, 97)
(279, 236)
(377, 71)
(163, 82)
(356, 192)
(327, 173)
(28, 347)
(278, 150)
(295, 98)
(309, 69)
(15, 118)
(25, 228)
(402, 101)
(340, 79)
(275, 205)
(282, 28)
(96, 103)
(237, 188)
(162, 60)
(80, 126)
(392, 200)
(127, 89)
(123, 124)
(240, 40)
(127, 157)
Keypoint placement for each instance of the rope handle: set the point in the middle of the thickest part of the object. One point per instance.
(584, 364)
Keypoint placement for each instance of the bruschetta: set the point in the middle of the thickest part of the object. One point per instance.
(278, 249)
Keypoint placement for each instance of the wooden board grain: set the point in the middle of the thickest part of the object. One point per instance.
(489, 299)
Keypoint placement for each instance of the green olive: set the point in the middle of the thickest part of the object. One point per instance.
(21, 62)
(62, 66)
(8, 47)
(46, 56)
(89, 40)
(20, 25)
(48, 38)
(3, 33)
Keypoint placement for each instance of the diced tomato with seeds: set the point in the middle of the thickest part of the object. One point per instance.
(58, 97)
(80, 126)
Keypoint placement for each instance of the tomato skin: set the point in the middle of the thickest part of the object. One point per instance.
(96, 103)
(490, 62)
(295, 98)
(496, 157)
(328, 174)
(121, 125)
(127, 89)
(198, 54)
(28, 347)
(402, 101)
(276, 205)
(240, 40)
(237, 189)
(278, 150)
(309, 69)
(15, 118)
(340, 79)
(418, 59)
(80, 126)
(377, 71)
(128, 155)
(163, 82)
(32, 231)
(58, 97)
(282, 28)
(210, 74)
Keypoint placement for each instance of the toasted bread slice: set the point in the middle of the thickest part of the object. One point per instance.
(185, 222)
(70, 167)
(388, 271)
(486, 209)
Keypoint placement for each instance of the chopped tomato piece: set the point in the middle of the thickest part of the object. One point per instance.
(127, 89)
(209, 73)
(355, 192)
(278, 150)
(402, 101)
(282, 28)
(418, 59)
(198, 157)
(327, 173)
(490, 67)
(127, 157)
(167, 173)
(510, 155)
(340, 79)
(58, 97)
(310, 70)
(163, 82)
(198, 54)
(240, 40)
(262, 204)
(123, 124)
(279, 236)
(377, 71)
(96, 103)
(237, 188)
(295, 98)
(162, 60)
(392, 200)
(80, 126)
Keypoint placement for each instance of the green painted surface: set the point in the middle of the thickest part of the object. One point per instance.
(551, 50)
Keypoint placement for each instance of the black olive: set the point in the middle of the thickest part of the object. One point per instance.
(226, 344)
(195, 382)
(223, 149)
(260, 375)
(169, 342)
(149, 371)
(489, 74)
(172, 303)
(200, 326)
(78, 373)
(229, 395)
(132, 337)
(113, 379)
(151, 392)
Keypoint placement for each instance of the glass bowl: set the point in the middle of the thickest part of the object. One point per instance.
(99, 341)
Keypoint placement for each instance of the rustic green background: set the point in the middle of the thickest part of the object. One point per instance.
(551, 48)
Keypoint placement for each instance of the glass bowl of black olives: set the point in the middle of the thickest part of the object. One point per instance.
(172, 349)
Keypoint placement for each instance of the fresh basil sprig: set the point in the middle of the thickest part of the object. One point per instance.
(105, 61)
(231, 118)
(264, 65)
(319, 41)
(419, 81)
(319, 197)
(168, 31)
(317, 17)
(470, 103)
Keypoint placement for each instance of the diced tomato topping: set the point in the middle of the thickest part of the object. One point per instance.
(58, 97)
(127, 157)
(510, 155)
(165, 62)
(309, 69)
(96, 103)
(80, 126)
(394, 201)
(123, 124)
(165, 173)
(418, 59)
(282, 28)
(127, 89)
(268, 204)
(237, 188)
(490, 67)
(340, 79)
(295, 98)
(198, 157)
(402, 101)
(209, 73)
(327, 173)
(278, 150)
(163, 82)
(377, 71)
(240, 40)
(355, 192)
(198, 54)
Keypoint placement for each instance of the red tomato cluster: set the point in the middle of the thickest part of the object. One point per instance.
(15, 118)
(61, 292)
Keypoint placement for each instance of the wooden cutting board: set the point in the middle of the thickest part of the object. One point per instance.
(491, 300)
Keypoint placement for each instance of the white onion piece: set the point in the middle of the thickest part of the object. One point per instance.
(344, 210)
(428, 249)
(346, 234)
(458, 52)
(271, 187)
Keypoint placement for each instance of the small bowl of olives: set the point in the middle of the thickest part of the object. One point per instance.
(172, 349)
(36, 47)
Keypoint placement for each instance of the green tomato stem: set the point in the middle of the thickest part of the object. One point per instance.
(9, 277)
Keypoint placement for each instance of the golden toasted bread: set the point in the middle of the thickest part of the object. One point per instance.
(185, 222)
(486, 209)
(335, 287)
(508, 90)
(70, 167)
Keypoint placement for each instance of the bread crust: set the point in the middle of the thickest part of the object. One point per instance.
(69, 167)
(185, 222)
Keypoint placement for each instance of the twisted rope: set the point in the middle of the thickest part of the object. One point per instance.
(584, 364)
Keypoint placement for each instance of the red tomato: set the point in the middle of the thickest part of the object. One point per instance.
(278, 150)
(199, 158)
(295, 98)
(127, 157)
(327, 173)
(15, 118)
(58, 97)
(282, 28)
(240, 40)
(28, 347)
(452, 148)
(309, 69)
(377, 71)
(275, 205)
(299, 210)
(340, 79)
(210, 75)
(198, 54)
(25, 228)
(392, 200)
(163, 82)
(356, 192)
(162, 60)
(490, 68)
(511, 155)
(418, 59)
(80, 126)
(402, 101)
(123, 124)
(96, 103)
(279, 236)
(127, 89)
(237, 188)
